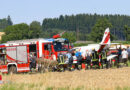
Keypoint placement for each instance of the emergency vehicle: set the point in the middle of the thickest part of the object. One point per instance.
(15, 55)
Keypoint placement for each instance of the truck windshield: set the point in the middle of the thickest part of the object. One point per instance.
(61, 46)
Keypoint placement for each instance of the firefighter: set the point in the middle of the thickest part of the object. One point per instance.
(68, 55)
(95, 58)
(119, 55)
(124, 55)
(110, 63)
(75, 61)
(88, 58)
(99, 60)
(103, 57)
(61, 61)
(128, 50)
(32, 61)
(69, 59)
(79, 58)
(61, 58)
(1, 59)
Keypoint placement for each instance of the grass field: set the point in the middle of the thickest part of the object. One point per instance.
(104, 79)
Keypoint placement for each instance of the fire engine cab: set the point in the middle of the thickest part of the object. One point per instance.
(15, 55)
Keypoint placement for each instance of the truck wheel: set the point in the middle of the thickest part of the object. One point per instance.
(12, 69)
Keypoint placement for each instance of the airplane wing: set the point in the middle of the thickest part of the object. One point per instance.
(111, 57)
(109, 43)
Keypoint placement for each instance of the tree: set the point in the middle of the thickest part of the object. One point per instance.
(127, 32)
(85, 23)
(99, 28)
(9, 20)
(35, 29)
(3, 23)
(70, 36)
(16, 32)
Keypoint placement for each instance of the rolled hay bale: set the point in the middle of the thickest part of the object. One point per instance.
(46, 64)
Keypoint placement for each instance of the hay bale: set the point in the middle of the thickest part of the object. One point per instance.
(46, 64)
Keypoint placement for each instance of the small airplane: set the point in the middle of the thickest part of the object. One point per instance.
(105, 43)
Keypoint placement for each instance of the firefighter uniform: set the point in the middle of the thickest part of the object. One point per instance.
(95, 58)
(61, 61)
(88, 59)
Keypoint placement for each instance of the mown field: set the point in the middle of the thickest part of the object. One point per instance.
(104, 79)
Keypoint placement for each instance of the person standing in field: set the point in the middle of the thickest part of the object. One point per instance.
(124, 55)
(68, 55)
(88, 58)
(32, 61)
(75, 61)
(128, 50)
(79, 58)
(119, 54)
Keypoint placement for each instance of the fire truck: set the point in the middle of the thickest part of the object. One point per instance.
(15, 55)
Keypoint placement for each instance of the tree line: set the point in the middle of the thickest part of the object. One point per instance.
(5, 22)
(77, 27)
(83, 24)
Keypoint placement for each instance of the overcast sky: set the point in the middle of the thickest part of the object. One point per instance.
(29, 10)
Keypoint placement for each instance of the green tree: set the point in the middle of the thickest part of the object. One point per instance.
(35, 29)
(127, 32)
(3, 23)
(16, 32)
(85, 23)
(9, 20)
(70, 36)
(99, 28)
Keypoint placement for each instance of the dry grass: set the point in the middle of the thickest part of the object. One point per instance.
(108, 79)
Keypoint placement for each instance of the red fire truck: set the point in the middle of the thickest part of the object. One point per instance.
(15, 55)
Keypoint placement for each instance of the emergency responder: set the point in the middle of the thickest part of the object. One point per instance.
(124, 55)
(88, 58)
(68, 55)
(70, 59)
(99, 60)
(60, 58)
(84, 55)
(119, 55)
(32, 61)
(93, 51)
(75, 61)
(128, 50)
(79, 58)
(61, 61)
(108, 52)
(103, 57)
(95, 54)
(95, 58)
(2, 59)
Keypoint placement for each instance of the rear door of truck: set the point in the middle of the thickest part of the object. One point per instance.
(19, 55)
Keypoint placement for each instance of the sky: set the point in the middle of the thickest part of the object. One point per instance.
(26, 11)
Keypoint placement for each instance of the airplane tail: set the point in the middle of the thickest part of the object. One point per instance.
(106, 40)
(106, 37)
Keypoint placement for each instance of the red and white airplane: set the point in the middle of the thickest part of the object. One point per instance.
(105, 43)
